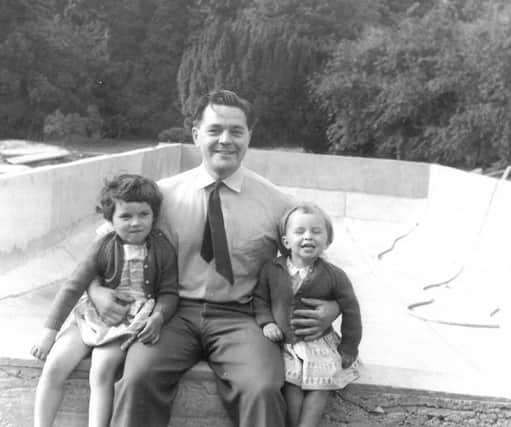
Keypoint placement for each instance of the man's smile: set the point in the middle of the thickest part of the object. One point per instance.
(225, 151)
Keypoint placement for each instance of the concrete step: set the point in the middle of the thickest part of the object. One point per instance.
(197, 403)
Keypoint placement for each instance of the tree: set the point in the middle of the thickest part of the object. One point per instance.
(155, 85)
(436, 88)
(136, 88)
(45, 62)
(266, 51)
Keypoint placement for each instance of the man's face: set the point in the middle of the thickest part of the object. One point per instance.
(223, 137)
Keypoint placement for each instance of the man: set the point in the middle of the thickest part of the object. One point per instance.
(222, 220)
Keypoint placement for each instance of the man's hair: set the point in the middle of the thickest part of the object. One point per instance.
(129, 188)
(224, 97)
(306, 208)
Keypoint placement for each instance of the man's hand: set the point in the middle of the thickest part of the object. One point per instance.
(272, 332)
(312, 323)
(41, 349)
(347, 360)
(112, 306)
(150, 333)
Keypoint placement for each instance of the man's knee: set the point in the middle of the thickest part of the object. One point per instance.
(145, 370)
(264, 372)
(136, 374)
(262, 385)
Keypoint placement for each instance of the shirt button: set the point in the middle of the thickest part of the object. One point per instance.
(149, 296)
(146, 266)
(147, 282)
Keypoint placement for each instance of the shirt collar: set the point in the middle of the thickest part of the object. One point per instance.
(293, 269)
(234, 181)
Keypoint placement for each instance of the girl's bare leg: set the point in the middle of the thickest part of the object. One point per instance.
(294, 400)
(314, 403)
(104, 363)
(63, 358)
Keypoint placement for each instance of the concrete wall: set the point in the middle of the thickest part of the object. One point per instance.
(333, 173)
(38, 205)
(41, 204)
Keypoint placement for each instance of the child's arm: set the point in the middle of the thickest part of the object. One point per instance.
(273, 332)
(347, 359)
(64, 302)
(73, 289)
(262, 301)
(42, 347)
(351, 326)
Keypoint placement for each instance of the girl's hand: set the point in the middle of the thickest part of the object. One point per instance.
(347, 360)
(41, 349)
(312, 323)
(272, 332)
(150, 333)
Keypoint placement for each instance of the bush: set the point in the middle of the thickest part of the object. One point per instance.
(60, 125)
(434, 88)
(174, 134)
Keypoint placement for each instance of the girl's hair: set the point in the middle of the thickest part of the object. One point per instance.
(306, 208)
(129, 188)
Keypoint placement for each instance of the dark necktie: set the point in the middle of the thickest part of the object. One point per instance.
(214, 241)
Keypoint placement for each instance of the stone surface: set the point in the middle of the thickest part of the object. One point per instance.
(198, 405)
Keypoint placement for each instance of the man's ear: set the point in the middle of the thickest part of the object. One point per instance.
(285, 242)
(195, 131)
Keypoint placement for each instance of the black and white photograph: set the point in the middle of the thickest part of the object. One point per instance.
(255, 213)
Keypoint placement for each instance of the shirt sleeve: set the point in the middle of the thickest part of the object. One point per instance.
(262, 303)
(351, 325)
(167, 289)
(72, 290)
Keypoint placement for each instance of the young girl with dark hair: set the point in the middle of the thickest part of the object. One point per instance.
(139, 262)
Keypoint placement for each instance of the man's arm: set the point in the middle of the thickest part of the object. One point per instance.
(73, 289)
(313, 322)
(262, 310)
(351, 326)
(111, 306)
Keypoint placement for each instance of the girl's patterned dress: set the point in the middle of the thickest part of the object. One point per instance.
(93, 330)
(315, 365)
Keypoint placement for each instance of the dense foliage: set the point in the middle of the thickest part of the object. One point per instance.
(436, 87)
(426, 80)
